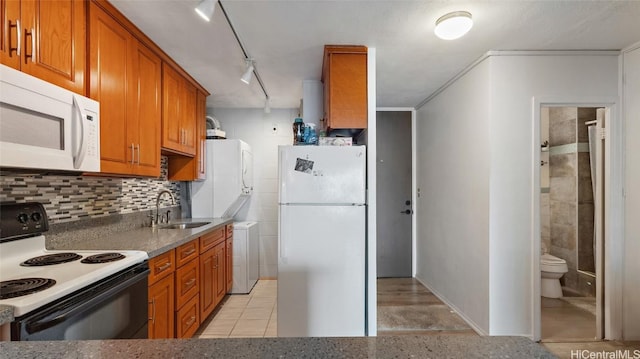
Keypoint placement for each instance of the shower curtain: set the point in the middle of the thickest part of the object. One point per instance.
(593, 138)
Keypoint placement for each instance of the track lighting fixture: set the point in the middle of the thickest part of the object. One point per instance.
(206, 8)
(267, 105)
(453, 25)
(246, 77)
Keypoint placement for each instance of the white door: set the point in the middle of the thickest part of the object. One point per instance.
(321, 271)
(322, 174)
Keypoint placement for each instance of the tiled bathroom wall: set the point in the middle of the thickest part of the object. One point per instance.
(69, 198)
(570, 198)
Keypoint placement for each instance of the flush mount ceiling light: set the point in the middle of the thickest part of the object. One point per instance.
(453, 25)
(206, 8)
(246, 77)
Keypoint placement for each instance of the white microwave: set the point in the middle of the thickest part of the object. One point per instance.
(43, 126)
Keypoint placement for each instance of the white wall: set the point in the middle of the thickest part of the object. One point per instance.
(256, 128)
(631, 115)
(475, 149)
(452, 158)
(515, 81)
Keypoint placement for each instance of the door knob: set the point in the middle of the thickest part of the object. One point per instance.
(408, 211)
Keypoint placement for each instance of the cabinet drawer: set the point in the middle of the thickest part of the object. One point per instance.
(161, 266)
(187, 282)
(187, 252)
(188, 319)
(212, 238)
(229, 228)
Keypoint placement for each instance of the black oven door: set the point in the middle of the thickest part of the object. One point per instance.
(113, 308)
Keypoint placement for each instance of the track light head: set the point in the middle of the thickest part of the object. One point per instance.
(246, 77)
(206, 8)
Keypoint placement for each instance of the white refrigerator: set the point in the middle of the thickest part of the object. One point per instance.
(321, 243)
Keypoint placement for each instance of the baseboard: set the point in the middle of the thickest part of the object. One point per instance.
(468, 320)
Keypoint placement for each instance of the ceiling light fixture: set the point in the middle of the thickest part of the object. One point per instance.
(206, 8)
(453, 25)
(246, 77)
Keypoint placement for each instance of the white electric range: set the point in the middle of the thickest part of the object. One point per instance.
(60, 294)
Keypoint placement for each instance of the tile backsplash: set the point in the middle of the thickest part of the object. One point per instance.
(68, 198)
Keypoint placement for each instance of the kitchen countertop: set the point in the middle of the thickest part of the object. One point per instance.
(430, 346)
(6, 314)
(154, 241)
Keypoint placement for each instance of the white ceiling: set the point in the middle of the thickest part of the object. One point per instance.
(286, 39)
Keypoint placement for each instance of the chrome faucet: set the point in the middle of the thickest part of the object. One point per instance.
(157, 219)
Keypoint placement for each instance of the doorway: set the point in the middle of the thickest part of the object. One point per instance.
(394, 223)
(572, 193)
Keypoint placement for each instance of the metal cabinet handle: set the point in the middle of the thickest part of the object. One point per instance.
(190, 322)
(33, 45)
(132, 154)
(19, 33)
(190, 283)
(153, 311)
(164, 266)
(189, 252)
(138, 148)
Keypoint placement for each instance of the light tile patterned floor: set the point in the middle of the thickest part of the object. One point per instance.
(245, 315)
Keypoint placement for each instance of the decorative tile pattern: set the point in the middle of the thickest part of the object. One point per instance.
(68, 198)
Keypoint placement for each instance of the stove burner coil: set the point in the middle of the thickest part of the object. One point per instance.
(103, 258)
(19, 287)
(51, 259)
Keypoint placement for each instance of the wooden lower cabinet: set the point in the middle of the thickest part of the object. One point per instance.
(187, 283)
(188, 318)
(161, 308)
(220, 281)
(229, 264)
(207, 286)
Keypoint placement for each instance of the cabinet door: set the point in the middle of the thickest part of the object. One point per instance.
(220, 268)
(188, 319)
(161, 309)
(207, 284)
(188, 118)
(201, 127)
(53, 40)
(172, 133)
(146, 114)
(109, 63)
(229, 264)
(345, 85)
(9, 47)
(187, 285)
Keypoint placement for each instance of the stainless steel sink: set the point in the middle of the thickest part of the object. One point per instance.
(182, 225)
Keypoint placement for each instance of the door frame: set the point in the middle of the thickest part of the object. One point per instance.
(613, 208)
(413, 179)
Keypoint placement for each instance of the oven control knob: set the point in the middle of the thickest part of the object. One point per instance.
(23, 218)
(36, 216)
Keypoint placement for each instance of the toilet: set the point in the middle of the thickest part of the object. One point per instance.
(552, 269)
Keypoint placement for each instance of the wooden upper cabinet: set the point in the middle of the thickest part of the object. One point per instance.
(183, 168)
(344, 74)
(146, 111)
(46, 39)
(125, 77)
(178, 113)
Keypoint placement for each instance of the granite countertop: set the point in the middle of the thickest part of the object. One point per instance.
(6, 314)
(154, 241)
(430, 346)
